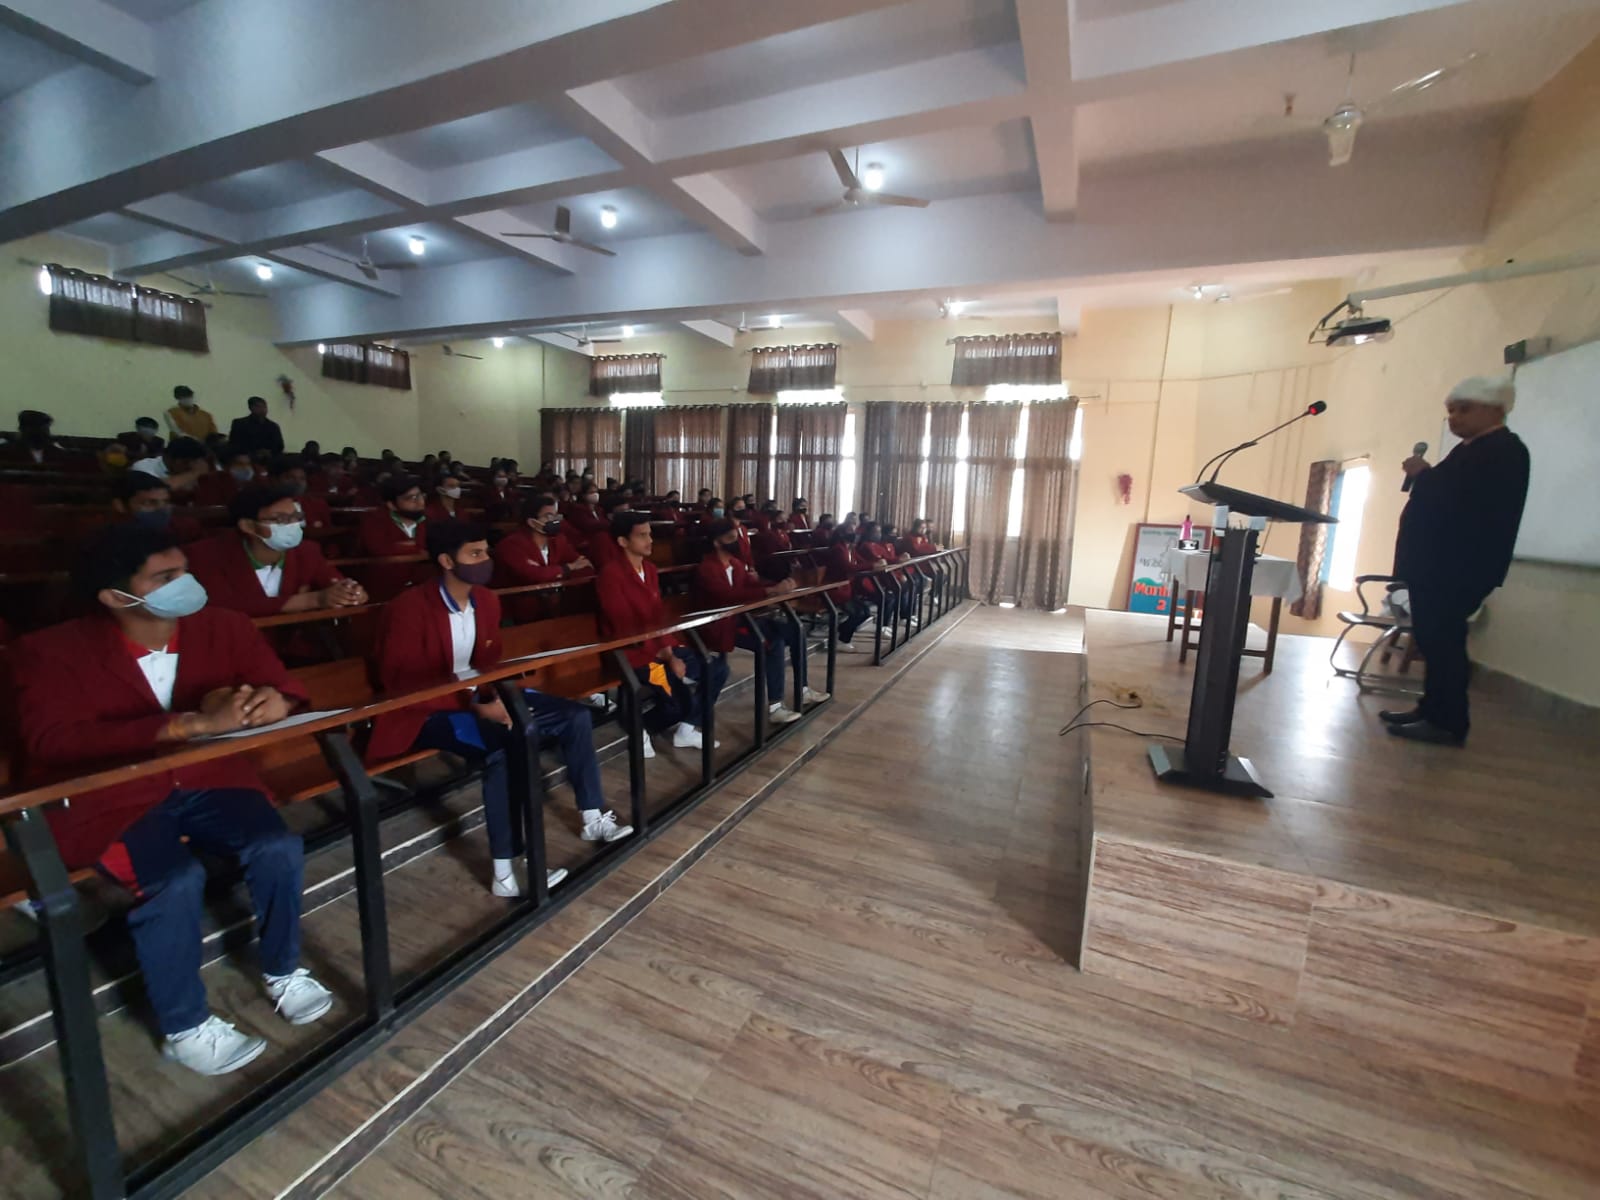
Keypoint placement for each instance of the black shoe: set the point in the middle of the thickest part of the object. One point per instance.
(1427, 731)
(1397, 716)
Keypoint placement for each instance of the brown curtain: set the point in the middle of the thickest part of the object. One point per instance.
(1314, 540)
(575, 438)
(1044, 554)
(750, 451)
(809, 437)
(776, 369)
(639, 441)
(109, 308)
(892, 460)
(611, 373)
(991, 460)
(1007, 358)
(944, 436)
(366, 362)
(688, 448)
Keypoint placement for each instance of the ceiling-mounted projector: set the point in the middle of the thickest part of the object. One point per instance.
(1359, 330)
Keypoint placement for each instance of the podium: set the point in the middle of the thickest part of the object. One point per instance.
(1205, 760)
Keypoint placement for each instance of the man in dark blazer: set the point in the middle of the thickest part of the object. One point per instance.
(1457, 534)
(154, 667)
(256, 431)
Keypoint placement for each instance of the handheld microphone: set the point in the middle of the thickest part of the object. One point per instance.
(1419, 448)
(1312, 410)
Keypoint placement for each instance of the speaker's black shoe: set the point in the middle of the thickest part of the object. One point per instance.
(1401, 716)
(1427, 731)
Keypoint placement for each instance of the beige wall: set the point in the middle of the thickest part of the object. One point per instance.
(93, 386)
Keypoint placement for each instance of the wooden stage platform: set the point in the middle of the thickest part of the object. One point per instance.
(1437, 906)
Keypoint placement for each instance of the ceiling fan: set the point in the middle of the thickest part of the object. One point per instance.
(563, 234)
(210, 288)
(1341, 125)
(582, 337)
(365, 265)
(855, 194)
(452, 352)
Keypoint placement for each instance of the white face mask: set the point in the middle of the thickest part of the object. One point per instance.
(453, 493)
(285, 537)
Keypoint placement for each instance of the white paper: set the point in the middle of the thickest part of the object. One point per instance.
(286, 723)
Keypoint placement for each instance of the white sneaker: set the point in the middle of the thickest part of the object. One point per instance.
(299, 998)
(847, 648)
(602, 827)
(649, 747)
(509, 889)
(213, 1047)
(598, 700)
(779, 715)
(687, 737)
(811, 696)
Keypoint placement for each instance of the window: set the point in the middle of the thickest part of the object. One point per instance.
(637, 400)
(1021, 393)
(812, 396)
(367, 362)
(110, 308)
(1349, 505)
(847, 464)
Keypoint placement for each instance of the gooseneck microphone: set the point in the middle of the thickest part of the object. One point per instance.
(1221, 460)
(1419, 449)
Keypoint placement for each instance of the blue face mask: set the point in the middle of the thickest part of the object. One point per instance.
(716, 512)
(154, 518)
(180, 597)
(242, 474)
(285, 537)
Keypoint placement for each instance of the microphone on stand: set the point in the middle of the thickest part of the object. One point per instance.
(1312, 410)
(1419, 448)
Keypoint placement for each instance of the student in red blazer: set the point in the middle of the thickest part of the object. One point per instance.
(875, 553)
(773, 540)
(842, 568)
(152, 668)
(220, 486)
(445, 503)
(586, 523)
(289, 473)
(629, 591)
(393, 530)
(262, 567)
(502, 502)
(147, 501)
(800, 515)
(722, 581)
(538, 552)
(451, 627)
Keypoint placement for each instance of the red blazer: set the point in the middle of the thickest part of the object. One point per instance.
(603, 551)
(316, 511)
(918, 546)
(82, 700)
(712, 589)
(770, 542)
(382, 538)
(843, 563)
(629, 605)
(584, 524)
(743, 548)
(215, 488)
(502, 506)
(222, 564)
(519, 561)
(413, 651)
(437, 512)
(799, 520)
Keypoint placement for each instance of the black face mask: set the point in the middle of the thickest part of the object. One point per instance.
(551, 526)
(728, 545)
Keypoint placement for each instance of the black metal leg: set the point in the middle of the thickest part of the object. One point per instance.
(760, 687)
(708, 730)
(877, 631)
(527, 785)
(793, 620)
(72, 1009)
(833, 636)
(361, 808)
(631, 693)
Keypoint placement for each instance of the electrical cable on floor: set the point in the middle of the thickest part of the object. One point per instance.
(1073, 722)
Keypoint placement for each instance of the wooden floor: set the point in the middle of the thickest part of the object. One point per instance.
(862, 992)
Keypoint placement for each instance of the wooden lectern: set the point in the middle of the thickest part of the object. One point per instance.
(1204, 761)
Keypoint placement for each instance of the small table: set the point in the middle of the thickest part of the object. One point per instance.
(1278, 578)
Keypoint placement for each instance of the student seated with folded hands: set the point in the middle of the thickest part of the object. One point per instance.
(452, 627)
(537, 552)
(723, 581)
(153, 667)
(629, 590)
(263, 566)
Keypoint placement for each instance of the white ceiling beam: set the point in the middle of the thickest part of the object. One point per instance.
(1417, 190)
(1046, 29)
(1146, 36)
(856, 324)
(363, 75)
(715, 330)
(90, 31)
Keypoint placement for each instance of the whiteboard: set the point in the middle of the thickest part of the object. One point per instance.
(1558, 415)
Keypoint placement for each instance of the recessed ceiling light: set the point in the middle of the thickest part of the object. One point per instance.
(417, 245)
(263, 272)
(955, 307)
(608, 216)
(627, 331)
(773, 320)
(322, 347)
(872, 177)
(46, 285)
(499, 342)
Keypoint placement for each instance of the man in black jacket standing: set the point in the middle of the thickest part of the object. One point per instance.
(256, 432)
(1456, 537)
